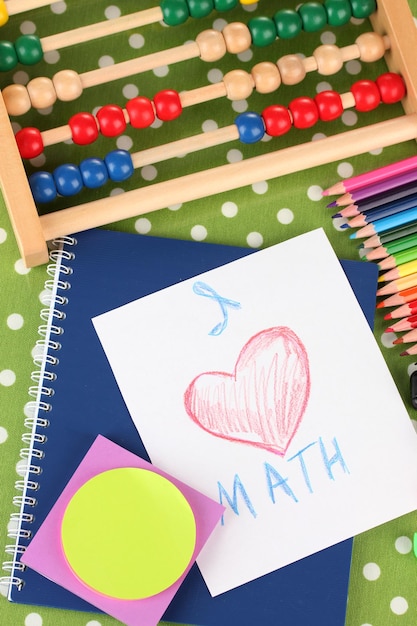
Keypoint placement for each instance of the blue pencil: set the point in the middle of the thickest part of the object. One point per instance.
(384, 210)
(386, 223)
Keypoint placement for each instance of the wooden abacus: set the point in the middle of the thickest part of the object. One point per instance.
(392, 21)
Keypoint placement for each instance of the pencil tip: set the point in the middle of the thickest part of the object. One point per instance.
(344, 226)
(398, 341)
(405, 353)
(338, 215)
(388, 316)
(389, 330)
(332, 204)
(325, 192)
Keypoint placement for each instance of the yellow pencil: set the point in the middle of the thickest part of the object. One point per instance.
(398, 272)
(398, 285)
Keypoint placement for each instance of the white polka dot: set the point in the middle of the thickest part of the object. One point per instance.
(209, 125)
(198, 232)
(162, 71)
(4, 588)
(323, 86)
(245, 56)
(345, 170)
(20, 267)
(105, 61)
(7, 378)
(285, 216)
(40, 160)
(229, 209)
(387, 339)
(403, 545)
(33, 619)
(371, 571)
(353, 67)
(414, 423)
(234, 156)
(136, 41)
(219, 24)
(117, 191)
(260, 188)
(45, 111)
(157, 123)
(112, 12)
(175, 207)
(93, 622)
(52, 57)
(318, 136)
(240, 106)
(338, 223)
(15, 321)
(215, 76)
(399, 605)
(149, 172)
(27, 28)
(130, 91)
(3, 434)
(21, 467)
(314, 192)
(143, 225)
(124, 142)
(21, 77)
(327, 37)
(366, 624)
(3, 235)
(254, 240)
(58, 7)
(349, 118)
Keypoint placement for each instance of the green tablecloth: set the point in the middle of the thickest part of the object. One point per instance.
(383, 589)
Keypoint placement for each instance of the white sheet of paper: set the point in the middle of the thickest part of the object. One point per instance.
(288, 414)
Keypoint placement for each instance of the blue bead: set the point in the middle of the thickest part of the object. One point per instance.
(119, 165)
(251, 127)
(94, 172)
(43, 187)
(68, 179)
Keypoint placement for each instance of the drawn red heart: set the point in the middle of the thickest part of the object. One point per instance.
(263, 401)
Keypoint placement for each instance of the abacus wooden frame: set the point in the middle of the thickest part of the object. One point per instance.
(33, 231)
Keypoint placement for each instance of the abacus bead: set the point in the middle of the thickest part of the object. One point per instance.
(362, 8)
(68, 85)
(225, 5)
(239, 84)
(288, 23)
(263, 31)
(304, 112)
(391, 87)
(366, 95)
(371, 47)
(141, 112)
(277, 120)
(4, 15)
(313, 16)
(8, 56)
(167, 105)
(237, 37)
(291, 68)
(16, 99)
(119, 165)
(329, 59)
(28, 49)
(68, 179)
(211, 44)
(84, 128)
(266, 77)
(30, 143)
(94, 172)
(200, 8)
(329, 105)
(250, 126)
(111, 120)
(339, 12)
(43, 187)
(41, 92)
(174, 12)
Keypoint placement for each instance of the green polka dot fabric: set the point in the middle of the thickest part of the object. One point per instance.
(383, 585)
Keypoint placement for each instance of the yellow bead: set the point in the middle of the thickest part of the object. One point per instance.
(211, 44)
(291, 68)
(237, 37)
(4, 16)
(266, 77)
(16, 99)
(67, 85)
(371, 47)
(239, 84)
(41, 92)
(329, 59)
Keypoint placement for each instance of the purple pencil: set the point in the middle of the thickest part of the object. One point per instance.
(374, 189)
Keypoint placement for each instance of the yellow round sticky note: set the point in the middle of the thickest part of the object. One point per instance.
(128, 533)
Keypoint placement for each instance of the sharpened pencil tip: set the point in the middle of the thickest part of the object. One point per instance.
(389, 330)
(337, 215)
(387, 316)
(325, 192)
(344, 226)
(332, 204)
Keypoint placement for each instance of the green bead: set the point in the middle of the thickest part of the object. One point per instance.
(362, 8)
(200, 8)
(28, 49)
(225, 5)
(174, 12)
(288, 23)
(313, 16)
(262, 30)
(8, 56)
(339, 12)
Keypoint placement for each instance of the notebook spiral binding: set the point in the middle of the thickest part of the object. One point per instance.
(37, 410)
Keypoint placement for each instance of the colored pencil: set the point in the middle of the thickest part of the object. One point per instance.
(394, 234)
(395, 249)
(405, 324)
(399, 299)
(398, 258)
(406, 269)
(373, 176)
(398, 285)
(405, 310)
(410, 337)
(384, 210)
(379, 200)
(376, 188)
(386, 223)
(409, 351)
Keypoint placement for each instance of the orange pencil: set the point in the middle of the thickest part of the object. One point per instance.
(410, 337)
(405, 310)
(405, 324)
(400, 298)
(395, 286)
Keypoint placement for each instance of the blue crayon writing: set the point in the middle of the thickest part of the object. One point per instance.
(202, 289)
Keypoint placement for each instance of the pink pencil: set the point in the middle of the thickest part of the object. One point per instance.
(374, 176)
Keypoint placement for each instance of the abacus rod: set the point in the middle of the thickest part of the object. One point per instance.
(228, 177)
(101, 29)
(21, 6)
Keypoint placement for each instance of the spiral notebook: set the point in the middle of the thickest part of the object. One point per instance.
(94, 272)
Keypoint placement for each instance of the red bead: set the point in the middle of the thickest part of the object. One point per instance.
(30, 143)
(366, 94)
(391, 87)
(277, 120)
(329, 105)
(167, 105)
(304, 112)
(141, 112)
(84, 128)
(111, 120)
